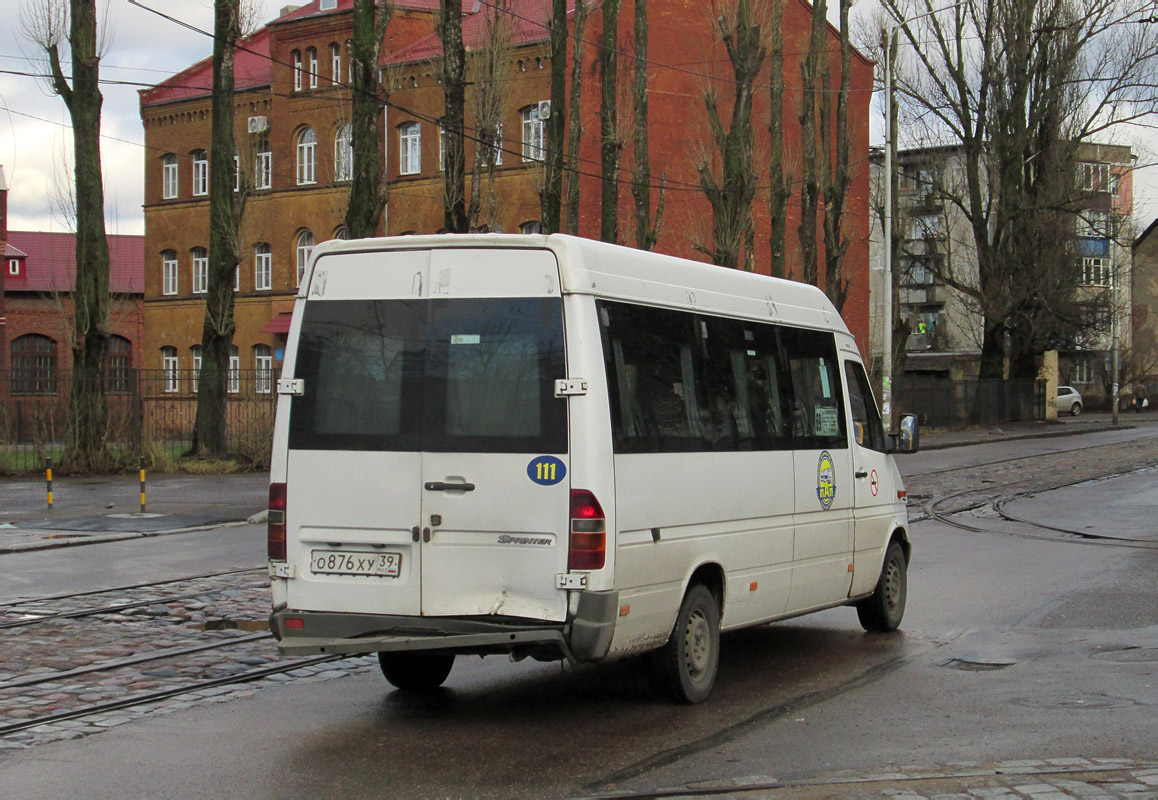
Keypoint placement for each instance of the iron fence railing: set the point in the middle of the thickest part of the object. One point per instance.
(150, 412)
(955, 404)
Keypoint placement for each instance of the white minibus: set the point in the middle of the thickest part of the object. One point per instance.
(550, 447)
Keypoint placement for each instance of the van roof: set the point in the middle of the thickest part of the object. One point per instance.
(613, 271)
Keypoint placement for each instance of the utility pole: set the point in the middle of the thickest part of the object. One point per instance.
(889, 39)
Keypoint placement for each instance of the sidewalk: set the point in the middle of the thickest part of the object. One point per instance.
(102, 508)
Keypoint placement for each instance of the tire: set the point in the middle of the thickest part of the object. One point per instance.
(1075, 409)
(416, 672)
(882, 612)
(684, 669)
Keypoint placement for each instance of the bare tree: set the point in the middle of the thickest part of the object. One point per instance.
(574, 123)
(732, 191)
(225, 209)
(489, 86)
(453, 115)
(646, 231)
(838, 177)
(610, 146)
(44, 23)
(781, 184)
(1016, 88)
(551, 199)
(368, 188)
(811, 65)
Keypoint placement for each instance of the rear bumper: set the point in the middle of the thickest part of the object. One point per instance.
(587, 637)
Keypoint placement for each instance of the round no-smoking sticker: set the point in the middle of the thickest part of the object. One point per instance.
(874, 484)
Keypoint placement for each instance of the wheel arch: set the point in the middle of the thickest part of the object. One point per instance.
(711, 575)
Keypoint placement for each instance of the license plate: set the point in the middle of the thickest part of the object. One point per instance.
(339, 562)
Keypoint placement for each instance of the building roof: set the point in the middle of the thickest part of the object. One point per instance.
(252, 68)
(12, 252)
(528, 20)
(50, 264)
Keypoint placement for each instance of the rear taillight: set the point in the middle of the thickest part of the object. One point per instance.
(275, 532)
(588, 532)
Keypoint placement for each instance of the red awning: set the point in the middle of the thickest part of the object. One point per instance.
(279, 324)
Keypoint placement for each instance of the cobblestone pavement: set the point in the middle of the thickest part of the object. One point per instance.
(1047, 779)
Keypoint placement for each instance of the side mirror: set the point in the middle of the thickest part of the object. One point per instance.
(909, 439)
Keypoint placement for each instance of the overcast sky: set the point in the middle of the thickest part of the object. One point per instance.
(35, 138)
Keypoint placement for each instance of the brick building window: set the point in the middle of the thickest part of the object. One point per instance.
(344, 153)
(335, 63)
(263, 168)
(297, 57)
(169, 176)
(312, 61)
(410, 148)
(120, 360)
(200, 270)
(33, 364)
(234, 370)
(305, 248)
(534, 134)
(200, 173)
(263, 362)
(169, 367)
(307, 157)
(195, 351)
(262, 267)
(168, 272)
(533, 226)
(1096, 271)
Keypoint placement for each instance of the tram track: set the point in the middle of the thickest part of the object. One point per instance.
(127, 587)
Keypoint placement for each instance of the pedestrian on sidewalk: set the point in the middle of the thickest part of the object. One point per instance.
(1140, 400)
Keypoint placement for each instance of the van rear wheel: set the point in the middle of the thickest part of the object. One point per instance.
(684, 669)
(416, 672)
(882, 612)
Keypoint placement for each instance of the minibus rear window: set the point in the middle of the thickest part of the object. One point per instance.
(456, 375)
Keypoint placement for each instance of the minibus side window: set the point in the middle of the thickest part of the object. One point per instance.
(867, 429)
(817, 410)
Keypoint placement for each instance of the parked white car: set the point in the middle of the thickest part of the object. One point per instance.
(1069, 399)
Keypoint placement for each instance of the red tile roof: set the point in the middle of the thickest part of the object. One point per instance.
(51, 263)
(12, 252)
(251, 68)
(528, 19)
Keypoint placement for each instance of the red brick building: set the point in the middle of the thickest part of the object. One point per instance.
(293, 103)
(36, 305)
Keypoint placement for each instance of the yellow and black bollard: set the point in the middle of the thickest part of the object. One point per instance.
(48, 478)
(142, 484)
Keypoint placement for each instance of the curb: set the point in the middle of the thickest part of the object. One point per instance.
(1009, 437)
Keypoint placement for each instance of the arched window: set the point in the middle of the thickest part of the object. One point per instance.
(33, 364)
(200, 270)
(312, 62)
(169, 176)
(263, 363)
(344, 153)
(120, 360)
(307, 156)
(297, 57)
(200, 173)
(306, 244)
(168, 272)
(169, 367)
(195, 350)
(410, 148)
(263, 169)
(532, 226)
(533, 134)
(342, 233)
(262, 267)
(335, 63)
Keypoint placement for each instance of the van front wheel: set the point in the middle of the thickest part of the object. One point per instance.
(684, 669)
(883, 611)
(416, 672)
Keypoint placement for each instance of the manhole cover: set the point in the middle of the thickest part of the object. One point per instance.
(1129, 655)
(1093, 702)
(977, 664)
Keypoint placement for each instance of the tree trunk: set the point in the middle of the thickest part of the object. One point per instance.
(609, 144)
(810, 186)
(836, 282)
(551, 206)
(454, 115)
(368, 185)
(209, 434)
(574, 124)
(87, 418)
(646, 234)
(781, 187)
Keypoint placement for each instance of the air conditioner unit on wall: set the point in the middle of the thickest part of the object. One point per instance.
(258, 124)
(544, 109)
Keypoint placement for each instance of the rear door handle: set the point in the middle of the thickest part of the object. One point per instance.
(439, 486)
(862, 474)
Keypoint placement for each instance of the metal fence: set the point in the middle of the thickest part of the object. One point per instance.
(956, 404)
(150, 413)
